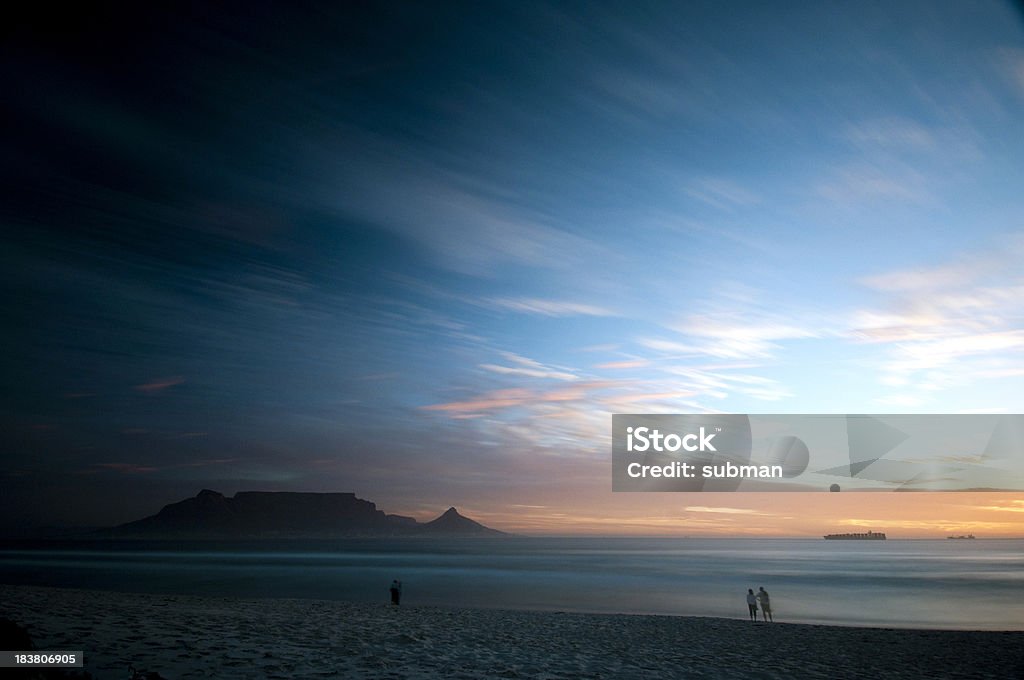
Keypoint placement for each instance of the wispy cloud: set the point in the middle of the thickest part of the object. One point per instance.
(159, 385)
(488, 401)
(943, 525)
(861, 182)
(944, 325)
(550, 307)
(899, 160)
(720, 381)
(730, 336)
(1010, 61)
(723, 510)
(495, 400)
(891, 133)
(1009, 506)
(930, 279)
(627, 363)
(721, 193)
(529, 368)
(468, 225)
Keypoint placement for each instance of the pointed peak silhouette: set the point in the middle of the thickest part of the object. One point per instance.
(452, 523)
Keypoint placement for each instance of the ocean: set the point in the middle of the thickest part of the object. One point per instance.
(966, 584)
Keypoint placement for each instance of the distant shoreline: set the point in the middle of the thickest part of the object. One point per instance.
(524, 610)
(78, 539)
(190, 636)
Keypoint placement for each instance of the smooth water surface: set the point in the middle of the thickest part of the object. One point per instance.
(928, 584)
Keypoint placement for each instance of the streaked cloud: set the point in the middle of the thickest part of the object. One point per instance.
(528, 368)
(627, 363)
(925, 279)
(556, 308)
(865, 182)
(468, 226)
(721, 193)
(730, 336)
(947, 325)
(160, 384)
(1010, 60)
(494, 400)
(723, 510)
(1009, 506)
(488, 401)
(936, 525)
(891, 133)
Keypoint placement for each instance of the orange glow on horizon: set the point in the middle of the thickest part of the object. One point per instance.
(780, 514)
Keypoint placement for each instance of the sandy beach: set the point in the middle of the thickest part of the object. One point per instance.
(207, 637)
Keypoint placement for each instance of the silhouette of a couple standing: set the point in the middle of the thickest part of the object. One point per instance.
(761, 600)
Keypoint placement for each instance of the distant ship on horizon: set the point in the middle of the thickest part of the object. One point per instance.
(960, 538)
(869, 536)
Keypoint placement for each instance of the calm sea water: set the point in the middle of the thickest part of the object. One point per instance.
(975, 584)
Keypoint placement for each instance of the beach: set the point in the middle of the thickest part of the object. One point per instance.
(210, 637)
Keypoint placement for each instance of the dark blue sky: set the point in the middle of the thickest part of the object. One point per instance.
(421, 252)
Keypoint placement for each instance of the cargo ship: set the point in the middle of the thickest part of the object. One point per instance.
(960, 538)
(869, 536)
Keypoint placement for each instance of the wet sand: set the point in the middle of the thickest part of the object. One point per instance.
(208, 637)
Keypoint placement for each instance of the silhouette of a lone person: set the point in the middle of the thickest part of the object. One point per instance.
(396, 592)
(766, 604)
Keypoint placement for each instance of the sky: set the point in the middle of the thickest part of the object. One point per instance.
(422, 252)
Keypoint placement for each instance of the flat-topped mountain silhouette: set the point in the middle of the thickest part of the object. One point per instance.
(284, 514)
